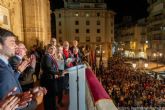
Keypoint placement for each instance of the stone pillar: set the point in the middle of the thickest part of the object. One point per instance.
(36, 20)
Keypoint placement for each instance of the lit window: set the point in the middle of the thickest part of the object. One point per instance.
(76, 14)
(87, 14)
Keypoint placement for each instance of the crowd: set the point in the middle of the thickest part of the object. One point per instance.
(20, 68)
(132, 88)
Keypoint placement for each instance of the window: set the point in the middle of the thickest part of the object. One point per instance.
(98, 30)
(59, 15)
(98, 14)
(88, 39)
(76, 14)
(59, 23)
(87, 23)
(76, 30)
(87, 31)
(98, 22)
(77, 38)
(60, 31)
(87, 14)
(76, 22)
(98, 39)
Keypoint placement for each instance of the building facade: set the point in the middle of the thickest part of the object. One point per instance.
(28, 19)
(132, 38)
(156, 28)
(87, 21)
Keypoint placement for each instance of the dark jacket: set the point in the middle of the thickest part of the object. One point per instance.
(8, 80)
(27, 75)
(48, 66)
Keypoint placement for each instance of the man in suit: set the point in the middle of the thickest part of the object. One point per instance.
(26, 77)
(9, 78)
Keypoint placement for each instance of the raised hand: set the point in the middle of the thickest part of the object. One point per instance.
(10, 103)
(23, 65)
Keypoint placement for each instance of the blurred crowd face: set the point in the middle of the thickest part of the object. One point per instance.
(75, 43)
(66, 45)
(60, 50)
(75, 50)
(8, 47)
(51, 50)
(21, 50)
(53, 41)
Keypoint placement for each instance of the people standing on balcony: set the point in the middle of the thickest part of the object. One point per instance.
(49, 77)
(9, 78)
(76, 57)
(75, 44)
(67, 55)
(60, 80)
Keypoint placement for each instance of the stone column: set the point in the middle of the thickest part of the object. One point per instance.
(36, 22)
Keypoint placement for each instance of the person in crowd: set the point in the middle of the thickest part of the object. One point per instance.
(53, 41)
(37, 53)
(9, 78)
(68, 59)
(75, 45)
(60, 80)
(26, 77)
(77, 58)
(49, 78)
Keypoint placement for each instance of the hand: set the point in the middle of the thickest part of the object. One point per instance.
(55, 76)
(37, 89)
(39, 97)
(25, 97)
(23, 65)
(10, 103)
(65, 72)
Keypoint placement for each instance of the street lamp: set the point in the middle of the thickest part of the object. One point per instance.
(146, 65)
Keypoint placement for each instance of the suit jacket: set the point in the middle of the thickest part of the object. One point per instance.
(27, 75)
(8, 80)
(48, 66)
(15, 61)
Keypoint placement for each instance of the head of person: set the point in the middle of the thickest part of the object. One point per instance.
(50, 49)
(75, 50)
(66, 45)
(75, 43)
(53, 41)
(21, 49)
(60, 49)
(7, 43)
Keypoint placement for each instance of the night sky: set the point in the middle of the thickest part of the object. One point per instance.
(135, 8)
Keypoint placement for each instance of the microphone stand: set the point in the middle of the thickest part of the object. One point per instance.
(77, 80)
